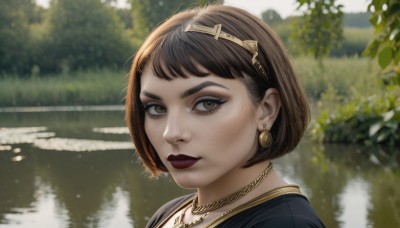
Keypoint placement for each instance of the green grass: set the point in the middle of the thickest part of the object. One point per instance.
(342, 77)
(354, 42)
(98, 87)
(347, 76)
(358, 35)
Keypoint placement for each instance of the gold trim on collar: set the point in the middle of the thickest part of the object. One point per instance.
(249, 45)
(284, 190)
(288, 189)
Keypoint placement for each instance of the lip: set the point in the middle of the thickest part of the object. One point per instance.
(182, 161)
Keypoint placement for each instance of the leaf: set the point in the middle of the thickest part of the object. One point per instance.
(388, 115)
(379, 3)
(397, 57)
(372, 49)
(394, 9)
(374, 159)
(374, 129)
(385, 57)
(378, 29)
(373, 19)
(382, 137)
(396, 117)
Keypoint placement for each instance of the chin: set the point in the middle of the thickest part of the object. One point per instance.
(189, 186)
(188, 183)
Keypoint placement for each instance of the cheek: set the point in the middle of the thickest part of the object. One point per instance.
(147, 128)
(235, 128)
(152, 131)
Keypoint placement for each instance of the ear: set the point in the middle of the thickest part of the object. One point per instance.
(268, 109)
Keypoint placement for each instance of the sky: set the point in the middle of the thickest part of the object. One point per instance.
(283, 7)
(288, 7)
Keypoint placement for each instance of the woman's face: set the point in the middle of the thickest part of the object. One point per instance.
(204, 129)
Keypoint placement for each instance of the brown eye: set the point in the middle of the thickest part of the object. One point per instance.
(159, 109)
(155, 109)
(207, 106)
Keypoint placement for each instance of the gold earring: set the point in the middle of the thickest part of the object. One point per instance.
(265, 138)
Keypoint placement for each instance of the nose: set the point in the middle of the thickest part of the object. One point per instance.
(176, 130)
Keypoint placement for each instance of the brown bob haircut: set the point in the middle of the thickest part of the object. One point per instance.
(176, 53)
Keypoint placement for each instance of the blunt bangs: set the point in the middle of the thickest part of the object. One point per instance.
(184, 54)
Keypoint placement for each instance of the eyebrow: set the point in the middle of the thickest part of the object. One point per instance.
(188, 92)
(199, 87)
(147, 94)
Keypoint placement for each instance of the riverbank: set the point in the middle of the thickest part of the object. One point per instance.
(348, 77)
(64, 108)
(96, 87)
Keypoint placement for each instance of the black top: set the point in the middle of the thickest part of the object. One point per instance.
(286, 211)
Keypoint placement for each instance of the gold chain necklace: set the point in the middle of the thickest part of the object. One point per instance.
(179, 223)
(201, 209)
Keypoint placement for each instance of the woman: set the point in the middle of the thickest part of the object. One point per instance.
(212, 99)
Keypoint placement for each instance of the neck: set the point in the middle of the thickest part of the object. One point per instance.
(233, 182)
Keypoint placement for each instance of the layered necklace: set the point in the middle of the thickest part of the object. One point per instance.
(205, 209)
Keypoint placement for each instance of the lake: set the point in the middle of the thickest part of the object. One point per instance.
(77, 168)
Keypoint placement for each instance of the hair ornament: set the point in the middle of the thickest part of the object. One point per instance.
(249, 45)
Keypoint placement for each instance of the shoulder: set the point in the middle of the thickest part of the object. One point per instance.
(165, 210)
(288, 211)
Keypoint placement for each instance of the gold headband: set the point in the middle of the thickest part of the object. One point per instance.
(249, 45)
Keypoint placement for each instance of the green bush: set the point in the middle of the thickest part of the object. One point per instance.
(350, 101)
(369, 120)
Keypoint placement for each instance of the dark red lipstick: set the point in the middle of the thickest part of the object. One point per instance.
(182, 161)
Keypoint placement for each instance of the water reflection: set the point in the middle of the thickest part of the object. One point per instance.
(355, 213)
(84, 184)
(17, 181)
(348, 186)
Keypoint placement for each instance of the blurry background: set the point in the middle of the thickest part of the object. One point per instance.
(66, 159)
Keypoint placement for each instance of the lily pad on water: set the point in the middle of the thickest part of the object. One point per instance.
(20, 135)
(80, 145)
(112, 130)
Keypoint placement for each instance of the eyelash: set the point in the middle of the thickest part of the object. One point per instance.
(147, 107)
(217, 101)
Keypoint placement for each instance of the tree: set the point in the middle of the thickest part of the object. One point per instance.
(271, 17)
(85, 34)
(357, 20)
(33, 13)
(125, 15)
(320, 28)
(147, 14)
(386, 45)
(14, 37)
